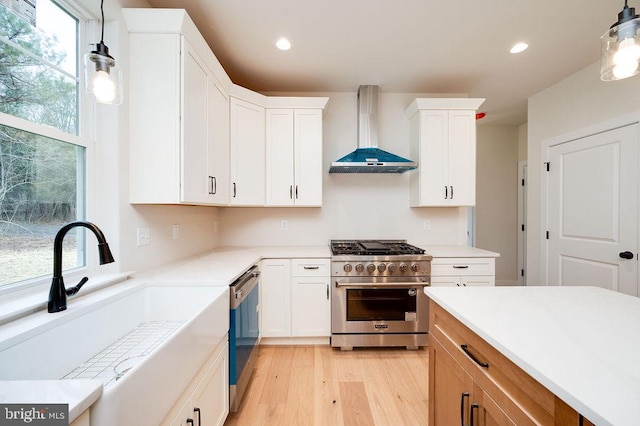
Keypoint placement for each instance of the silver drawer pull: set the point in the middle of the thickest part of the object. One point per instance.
(311, 267)
(460, 266)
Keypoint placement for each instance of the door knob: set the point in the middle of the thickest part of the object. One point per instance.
(626, 255)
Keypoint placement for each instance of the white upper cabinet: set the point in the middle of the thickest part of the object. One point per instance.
(197, 138)
(179, 146)
(443, 139)
(294, 156)
(247, 153)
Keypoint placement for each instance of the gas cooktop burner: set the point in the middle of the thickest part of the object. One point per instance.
(373, 247)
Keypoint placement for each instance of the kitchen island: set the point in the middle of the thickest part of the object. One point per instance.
(551, 352)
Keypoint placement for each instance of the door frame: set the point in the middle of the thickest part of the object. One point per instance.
(521, 272)
(546, 145)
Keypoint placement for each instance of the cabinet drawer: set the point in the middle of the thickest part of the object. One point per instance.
(462, 266)
(310, 267)
(501, 379)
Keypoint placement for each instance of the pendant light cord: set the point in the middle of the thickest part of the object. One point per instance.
(102, 14)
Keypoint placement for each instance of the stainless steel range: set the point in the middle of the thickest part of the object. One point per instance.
(378, 294)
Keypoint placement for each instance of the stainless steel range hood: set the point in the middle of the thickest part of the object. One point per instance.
(368, 158)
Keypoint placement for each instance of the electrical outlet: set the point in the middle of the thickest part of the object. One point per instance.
(176, 231)
(426, 225)
(284, 225)
(143, 236)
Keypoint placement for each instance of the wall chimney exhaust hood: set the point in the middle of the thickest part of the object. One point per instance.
(368, 158)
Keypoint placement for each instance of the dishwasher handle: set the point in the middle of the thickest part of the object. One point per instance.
(241, 287)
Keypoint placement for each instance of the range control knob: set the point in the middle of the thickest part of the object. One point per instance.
(382, 267)
(415, 267)
(392, 268)
(348, 267)
(359, 267)
(403, 267)
(371, 267)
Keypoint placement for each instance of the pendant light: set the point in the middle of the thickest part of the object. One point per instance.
(621, 47)
(103, 78)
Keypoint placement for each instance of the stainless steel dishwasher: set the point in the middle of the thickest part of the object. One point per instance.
(243, 333)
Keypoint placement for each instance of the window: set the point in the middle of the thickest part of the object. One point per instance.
(42, 150)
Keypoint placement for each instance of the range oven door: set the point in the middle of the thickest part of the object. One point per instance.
(365, 305)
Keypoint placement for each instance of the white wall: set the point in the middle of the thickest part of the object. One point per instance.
(522, 142)
(576, 102)
(354, 205)
(496, 212)
(109, 194)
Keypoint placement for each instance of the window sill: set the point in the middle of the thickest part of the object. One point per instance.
(24, 302)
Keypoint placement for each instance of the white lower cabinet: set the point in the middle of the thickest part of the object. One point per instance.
(295, 298)
(463, 272)
(206, 400)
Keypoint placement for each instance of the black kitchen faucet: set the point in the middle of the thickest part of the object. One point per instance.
(58, 294)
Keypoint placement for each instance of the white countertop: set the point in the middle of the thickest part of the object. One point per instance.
(582, 343)
(79, 394)
(224, 264)
(457, 251)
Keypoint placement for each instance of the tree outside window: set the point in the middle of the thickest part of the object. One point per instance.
(41, 178)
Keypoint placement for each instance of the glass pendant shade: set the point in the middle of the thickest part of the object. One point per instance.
(103, 78)
(621, 47)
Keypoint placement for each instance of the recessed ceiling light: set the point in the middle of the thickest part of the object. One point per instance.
(283, 44)
(519, 47)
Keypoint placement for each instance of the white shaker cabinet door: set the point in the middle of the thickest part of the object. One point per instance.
(218, 148)
(275, 298)
(461, 158)
(194, 154)
(308, 157)
(311, 306)
(280, 157)
(247, 153)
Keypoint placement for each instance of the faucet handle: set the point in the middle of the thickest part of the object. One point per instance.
(73, 290)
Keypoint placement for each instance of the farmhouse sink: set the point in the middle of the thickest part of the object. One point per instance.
(145, 341)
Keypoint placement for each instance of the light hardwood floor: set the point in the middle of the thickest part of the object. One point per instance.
(319, 385)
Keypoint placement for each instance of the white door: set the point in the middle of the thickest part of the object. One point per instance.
(522, 221)
(593, 211)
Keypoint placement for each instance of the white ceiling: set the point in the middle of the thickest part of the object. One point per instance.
(414, 46)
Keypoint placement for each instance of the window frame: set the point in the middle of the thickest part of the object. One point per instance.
(88, 28)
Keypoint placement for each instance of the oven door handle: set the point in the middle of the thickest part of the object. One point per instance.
(384, 284)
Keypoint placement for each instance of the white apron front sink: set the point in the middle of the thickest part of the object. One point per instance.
(145, 341)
